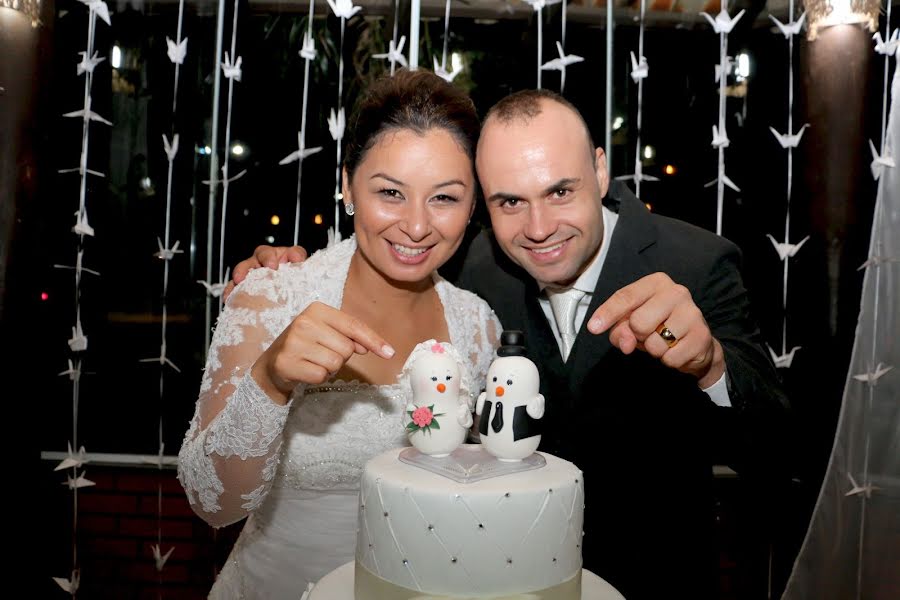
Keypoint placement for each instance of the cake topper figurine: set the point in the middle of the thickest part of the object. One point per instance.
(440, 410)
(511, 406)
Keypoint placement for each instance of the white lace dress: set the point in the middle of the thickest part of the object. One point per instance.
(295, 469)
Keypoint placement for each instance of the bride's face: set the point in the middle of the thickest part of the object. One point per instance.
(413, 195)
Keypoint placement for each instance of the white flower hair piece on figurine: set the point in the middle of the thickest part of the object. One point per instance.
(439, 410)
(466, 392)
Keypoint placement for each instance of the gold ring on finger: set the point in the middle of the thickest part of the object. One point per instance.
(666, 334)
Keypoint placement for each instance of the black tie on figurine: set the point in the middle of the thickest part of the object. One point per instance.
(497, 422)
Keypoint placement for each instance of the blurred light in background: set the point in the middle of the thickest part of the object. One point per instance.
(742, 71)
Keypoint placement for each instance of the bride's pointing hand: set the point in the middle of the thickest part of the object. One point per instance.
(312, 348)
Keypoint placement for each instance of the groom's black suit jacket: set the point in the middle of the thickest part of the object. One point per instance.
(644, 434)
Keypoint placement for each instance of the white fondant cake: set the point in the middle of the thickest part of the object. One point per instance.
(424, 533)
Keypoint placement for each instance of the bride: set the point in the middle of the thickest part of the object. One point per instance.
(300, 387)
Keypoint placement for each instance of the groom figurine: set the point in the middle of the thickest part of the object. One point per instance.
(640, 328)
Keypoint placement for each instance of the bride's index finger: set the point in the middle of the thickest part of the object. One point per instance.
(361, 334)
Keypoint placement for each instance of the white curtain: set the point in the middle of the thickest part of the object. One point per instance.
(852, 547)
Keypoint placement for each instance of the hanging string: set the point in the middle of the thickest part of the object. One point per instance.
(538, 6)
(722, 24)
(176, 51)
(232, 70)
(446, 35)
(343, 9)
(441, 69)
(338, 135)
(308, 53)
(394, 54)
(306, 61)
(723, 77)
(563, 60)
(78, 342)
(879, 224)
(884, 93)
(640, 96)
(396, 31)
(789, 140)
(639, 72)
(336, 122)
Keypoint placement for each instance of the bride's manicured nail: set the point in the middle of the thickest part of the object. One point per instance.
(387, 350)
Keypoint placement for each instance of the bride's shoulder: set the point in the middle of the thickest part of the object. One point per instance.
(325, 269)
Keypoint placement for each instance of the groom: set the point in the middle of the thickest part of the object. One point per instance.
(641, 409)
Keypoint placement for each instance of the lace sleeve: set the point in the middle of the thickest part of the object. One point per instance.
(231, 450)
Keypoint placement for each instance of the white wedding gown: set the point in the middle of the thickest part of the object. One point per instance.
(295, 469)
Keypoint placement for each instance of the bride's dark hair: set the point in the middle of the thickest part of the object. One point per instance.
(416, 100)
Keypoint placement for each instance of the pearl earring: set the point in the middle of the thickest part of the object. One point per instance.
(349, 209)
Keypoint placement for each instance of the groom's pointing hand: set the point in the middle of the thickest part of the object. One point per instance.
(264, 256)
(638, 315)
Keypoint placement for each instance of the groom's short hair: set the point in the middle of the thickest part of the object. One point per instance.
(525, 105)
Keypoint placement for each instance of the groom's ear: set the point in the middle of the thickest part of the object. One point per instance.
(601, 171)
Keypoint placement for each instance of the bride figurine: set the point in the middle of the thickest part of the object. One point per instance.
(440, 411)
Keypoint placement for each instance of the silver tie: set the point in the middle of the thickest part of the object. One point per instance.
(565, 305)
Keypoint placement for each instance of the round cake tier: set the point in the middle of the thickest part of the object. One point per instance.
(338, 585)
(512, 534)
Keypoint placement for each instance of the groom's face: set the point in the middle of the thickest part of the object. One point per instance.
(543, 184)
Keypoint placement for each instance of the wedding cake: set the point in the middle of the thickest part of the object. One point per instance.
(420, 531)
(497, 520)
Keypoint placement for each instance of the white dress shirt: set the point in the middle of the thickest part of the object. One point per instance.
(587, 283)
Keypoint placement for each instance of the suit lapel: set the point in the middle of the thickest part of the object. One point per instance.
(625, 264)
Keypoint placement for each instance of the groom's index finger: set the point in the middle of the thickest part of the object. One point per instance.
(362, 335)
(623, 302)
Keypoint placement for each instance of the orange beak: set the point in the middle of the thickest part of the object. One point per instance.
(441, 388)
(499, 391)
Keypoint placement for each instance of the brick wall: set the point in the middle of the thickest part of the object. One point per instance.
(118, 524)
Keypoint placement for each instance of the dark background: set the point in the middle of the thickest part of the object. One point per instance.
(120, 405)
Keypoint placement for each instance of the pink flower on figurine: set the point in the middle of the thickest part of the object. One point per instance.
(437, 348)
(422, 416)
(423, 419)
